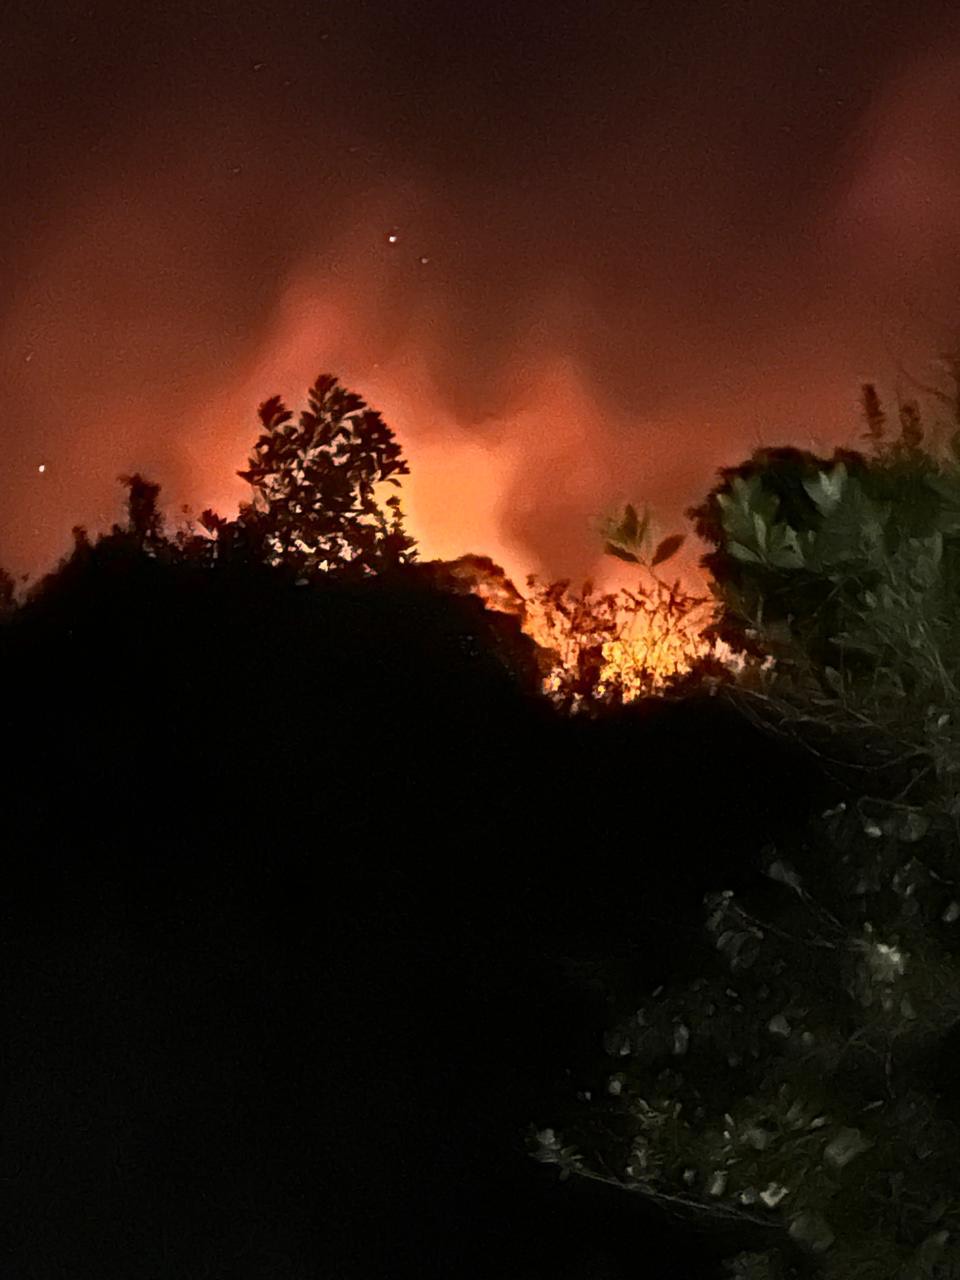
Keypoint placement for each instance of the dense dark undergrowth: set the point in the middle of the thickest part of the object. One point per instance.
(303, 891)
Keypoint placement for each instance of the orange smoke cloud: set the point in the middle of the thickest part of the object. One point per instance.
(538, 458)
(539, 372)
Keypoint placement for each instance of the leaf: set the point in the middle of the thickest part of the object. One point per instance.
(784, 872)
(913, 826)
(812, 1230)
(786, 558)
(759, 530)
(826, 489)
(612, 550)
(630, 524)
(846, 1146)
(210, 521)
(783, 550)
(273, 412)
(740, 552)
(668, 547)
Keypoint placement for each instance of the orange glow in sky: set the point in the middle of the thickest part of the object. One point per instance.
(544, 354)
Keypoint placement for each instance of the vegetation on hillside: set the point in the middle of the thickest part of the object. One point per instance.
(297, 670)
(306, 892)
(797, 1097)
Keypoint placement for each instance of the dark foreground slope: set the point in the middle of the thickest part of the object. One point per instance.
(292, 882)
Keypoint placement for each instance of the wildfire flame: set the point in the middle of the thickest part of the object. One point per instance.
(596, 647)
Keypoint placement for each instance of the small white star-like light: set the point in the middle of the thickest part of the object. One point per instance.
(42, 467)
(392, 237)
(424, 260)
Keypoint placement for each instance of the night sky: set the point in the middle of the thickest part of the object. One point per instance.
(632, 242)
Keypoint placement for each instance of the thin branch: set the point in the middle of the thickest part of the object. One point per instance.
(686, 1202)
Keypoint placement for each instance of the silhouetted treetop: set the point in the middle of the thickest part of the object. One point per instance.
(315, 483)
(144, 518)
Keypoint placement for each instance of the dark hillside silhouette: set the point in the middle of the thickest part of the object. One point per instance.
(303, 886)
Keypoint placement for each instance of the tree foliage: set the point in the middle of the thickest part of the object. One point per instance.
(798, 1096)
(792, 1088)
(145, 522)
(316, 503)
(846, 569)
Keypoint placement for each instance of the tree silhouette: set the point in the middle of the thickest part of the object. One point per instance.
(315, 506)
(144, 518)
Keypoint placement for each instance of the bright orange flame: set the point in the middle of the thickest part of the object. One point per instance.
(616, 645)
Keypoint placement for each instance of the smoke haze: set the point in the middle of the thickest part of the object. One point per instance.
(632, 243)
